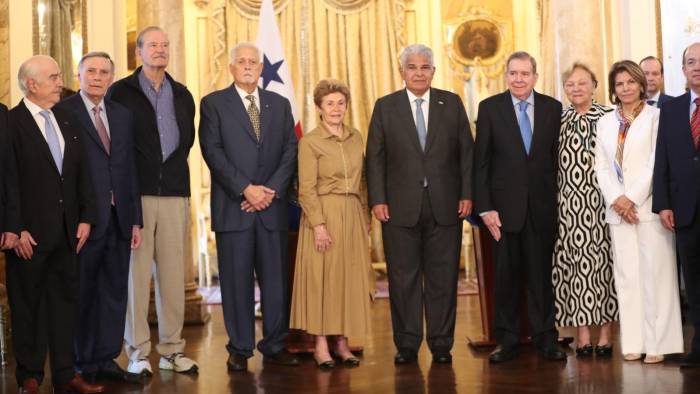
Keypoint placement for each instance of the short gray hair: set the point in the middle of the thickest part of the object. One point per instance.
(522, 55)
(416, 49)
(90, 55)
(142, 33)
(242, 45)
(29, 70)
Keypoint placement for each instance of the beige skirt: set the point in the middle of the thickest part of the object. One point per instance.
(331, 294)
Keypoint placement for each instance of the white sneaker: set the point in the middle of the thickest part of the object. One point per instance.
(140, 367)
(179, 363)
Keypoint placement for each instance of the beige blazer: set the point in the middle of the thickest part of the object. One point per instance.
(637, 162)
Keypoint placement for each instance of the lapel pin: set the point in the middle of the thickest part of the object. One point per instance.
(440, 102)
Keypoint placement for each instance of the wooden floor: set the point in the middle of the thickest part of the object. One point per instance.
(469, 373)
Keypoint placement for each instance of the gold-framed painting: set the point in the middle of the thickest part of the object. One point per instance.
(477, 41)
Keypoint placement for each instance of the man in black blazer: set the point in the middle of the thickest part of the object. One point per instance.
(163, 115)
(107, 131)
(419, 166)
(515, 183)
(676, 195)
(654, 74)
(51, 206)
(7, 238)
(248, 141)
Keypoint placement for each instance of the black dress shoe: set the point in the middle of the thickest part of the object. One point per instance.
(442, 358)
(585, 350)
(325, 365)
(553, 354)
(503, 353)
(692, 360)
(405, 357)
(112, 371)
(237, 362)
(283, 357)
(604, 350)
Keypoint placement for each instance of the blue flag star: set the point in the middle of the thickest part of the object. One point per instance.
(270, 72)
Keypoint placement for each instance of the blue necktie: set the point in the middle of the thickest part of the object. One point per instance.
(525, 128)
(420, 123)
(52, 140)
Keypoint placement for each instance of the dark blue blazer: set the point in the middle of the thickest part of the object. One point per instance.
(677, 165)
(236, 159)
(115, 172)
(4, 147)
(662, 99)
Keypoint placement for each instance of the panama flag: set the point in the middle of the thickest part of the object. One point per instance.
(275, 75)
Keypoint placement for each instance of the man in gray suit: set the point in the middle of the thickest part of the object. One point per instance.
(248, 141)
(419, 166)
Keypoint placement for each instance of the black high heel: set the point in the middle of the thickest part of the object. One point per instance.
(584, 351)
(604, 350)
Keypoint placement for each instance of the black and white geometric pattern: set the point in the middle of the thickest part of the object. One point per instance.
(582, 275)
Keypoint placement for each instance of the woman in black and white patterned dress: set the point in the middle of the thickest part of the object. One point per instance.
(582, 273)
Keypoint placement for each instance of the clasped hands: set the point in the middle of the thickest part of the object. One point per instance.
(257, 198)
(624, 207)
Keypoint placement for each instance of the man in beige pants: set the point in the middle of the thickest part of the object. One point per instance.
(163, 111)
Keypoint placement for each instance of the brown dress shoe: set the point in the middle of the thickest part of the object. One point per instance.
(29, 386)
(79, 385)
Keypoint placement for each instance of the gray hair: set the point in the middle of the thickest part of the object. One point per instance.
(90, 55)
(522, 55)
(416, 49)
(30, 70)
(142, 33)
(242, 45)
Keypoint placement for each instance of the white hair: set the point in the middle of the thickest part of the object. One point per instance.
(416, 49)
(234, 50)
(30, 70)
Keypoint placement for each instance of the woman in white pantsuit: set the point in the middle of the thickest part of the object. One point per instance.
(643, 251)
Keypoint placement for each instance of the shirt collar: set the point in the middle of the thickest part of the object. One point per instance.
(412, 97)
(33, 108)
(655, 97)
(325, 133)
(147, 84)
(89, 104)
(530, 99)
(243, 95)
(693, 96)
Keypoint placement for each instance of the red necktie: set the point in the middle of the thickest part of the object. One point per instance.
(695, 123)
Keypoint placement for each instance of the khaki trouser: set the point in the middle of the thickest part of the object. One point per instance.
(164, 235)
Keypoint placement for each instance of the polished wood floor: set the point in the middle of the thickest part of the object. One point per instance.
(469, 373)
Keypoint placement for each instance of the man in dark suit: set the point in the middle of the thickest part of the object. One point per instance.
(248, 141)
(515, 185)
(676, 196)
(163, 112)
(654, 74)
(107, 132)
(419, 166)
(7, 238)
(51, 206)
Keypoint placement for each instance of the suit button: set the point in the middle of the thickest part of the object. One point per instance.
(60, 201)
(695, 158)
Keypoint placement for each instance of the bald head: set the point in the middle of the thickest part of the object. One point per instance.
(691, 66)
(40, 80)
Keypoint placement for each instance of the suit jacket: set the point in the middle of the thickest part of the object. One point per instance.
(637, 162)
(114, 173)
(4, 146)
(236, 159)
(397, 166)
(677, 166)
(663, 98)
(42, 200)
(506, 178)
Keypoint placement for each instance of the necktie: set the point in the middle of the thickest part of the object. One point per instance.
(101, 129)
(52, 140)
(652, 103)
(254, 114)
(695, 123)
(420, 123)
(525, 127)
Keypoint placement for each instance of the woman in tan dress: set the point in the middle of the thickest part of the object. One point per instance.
(331, 296)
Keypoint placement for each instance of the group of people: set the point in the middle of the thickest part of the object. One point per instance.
(96, 203)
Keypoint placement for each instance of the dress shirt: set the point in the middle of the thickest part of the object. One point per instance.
(41, 122)
(655, 98)
(163, 102)
(693, 96)
(89, 105)
(530, 109)
(425, 106)
(244, 94)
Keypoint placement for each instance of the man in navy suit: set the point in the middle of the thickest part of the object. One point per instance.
(107, 129)
(248, 141)
(676, 188)
(654, 74)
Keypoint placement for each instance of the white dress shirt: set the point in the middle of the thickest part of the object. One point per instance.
(425, 106)
(41, 122)
(530, 109)
(244, 94)
(89, 105)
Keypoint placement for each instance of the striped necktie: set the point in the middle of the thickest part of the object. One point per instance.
(695, 123)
